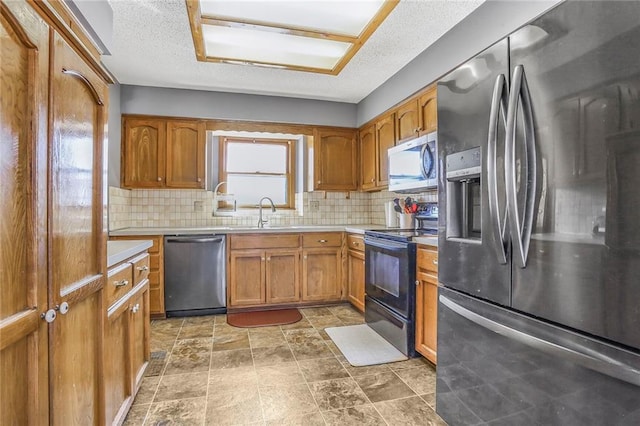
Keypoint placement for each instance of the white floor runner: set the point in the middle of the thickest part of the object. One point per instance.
(363, 346)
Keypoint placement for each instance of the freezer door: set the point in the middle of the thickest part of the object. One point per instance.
(581, 64)
(501, 368)
(471, 121)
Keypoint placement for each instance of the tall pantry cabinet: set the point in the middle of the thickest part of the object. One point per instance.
(53, 115)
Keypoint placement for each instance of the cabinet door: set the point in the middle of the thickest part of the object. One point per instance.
(427, 315)
(428, 111)
(368, 157)
(283, 276)
(24, 42)
(117, 368)
(335, 160)
(143, 153)
(247, 278)
(77, 237)
(408, 120)
(185, 154)
(385, 139)
(321, 274)
(355, 284)
(139, 335)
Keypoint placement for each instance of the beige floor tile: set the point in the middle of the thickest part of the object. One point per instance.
(430, 399)
(315, 312)
(311, 350)
(159, 345)
(344, 309)
(286, 401)
(199, 320)
(182, 386)
(410, 363)
(315, 370)
(147, 390)
(408, 411)
(421, 379)
(272, 355)
(320, 323)
(196, 331)
(188, 356)
(233, 404)
(362, 371)
(309, 419)
(337, 393)
(383, 387)
(231, 359)
(266, 339)
(183, 412)
(233, 376)
(220, 319)
(136, 415)
(302, 336)
(226, 342)
(362, 415)
(302, 324)
(283, 374)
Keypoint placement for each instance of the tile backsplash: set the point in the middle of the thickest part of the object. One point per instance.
(192, 208)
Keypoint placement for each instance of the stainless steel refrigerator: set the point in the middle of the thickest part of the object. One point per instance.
(539, 234)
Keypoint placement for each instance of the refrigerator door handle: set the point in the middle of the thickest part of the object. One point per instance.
(499, 106)
(520, 227)
(575, 353)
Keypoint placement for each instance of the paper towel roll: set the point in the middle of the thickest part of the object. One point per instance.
(390, 215)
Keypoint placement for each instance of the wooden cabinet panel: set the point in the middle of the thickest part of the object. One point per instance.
(119, 282)
(78, 248)
(355, 242)
(185, 154)
(368, 158)
(247, 278)
(408, 121)
(24, 67)
(322, 239)
(385, 139)
(321, 274)
(143, 153)
(116, 364)
(428, 111)
(283, 276)
(139, 328)
(427, 303)
(140, 268)
(264, 241)
(335, 157)
(155, 273)
(355, 280)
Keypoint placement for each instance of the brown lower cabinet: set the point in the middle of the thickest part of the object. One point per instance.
(427, 302)
(126, 354)
(291, 268)
(156, 272)
(355, 271)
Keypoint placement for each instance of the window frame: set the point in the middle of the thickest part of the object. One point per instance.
(289, 144)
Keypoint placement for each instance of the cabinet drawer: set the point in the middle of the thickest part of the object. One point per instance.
(322, 239)
(140, 268)
(119, 282)
(427, 260)
(355, 242)
(258, 241)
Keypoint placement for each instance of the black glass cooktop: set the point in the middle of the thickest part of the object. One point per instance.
(401, 234)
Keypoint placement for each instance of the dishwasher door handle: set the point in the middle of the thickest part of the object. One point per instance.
(196, 240)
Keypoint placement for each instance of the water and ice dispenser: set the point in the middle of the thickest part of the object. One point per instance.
(464, 171)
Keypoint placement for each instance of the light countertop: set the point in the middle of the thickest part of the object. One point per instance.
(117, 251)
(242, 229)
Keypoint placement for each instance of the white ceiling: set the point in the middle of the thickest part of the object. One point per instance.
(153, 46)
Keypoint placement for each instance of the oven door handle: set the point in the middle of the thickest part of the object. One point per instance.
(384, 244)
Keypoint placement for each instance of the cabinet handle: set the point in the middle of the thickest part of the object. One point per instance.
(322, 241)
(135, 308)
(199, 179)
(417, 283)
(262, 258)
(304, 257)
(121, 283)
(268, 259)
(435, 262)
(356, 244)
(142, 268)
(159, 179)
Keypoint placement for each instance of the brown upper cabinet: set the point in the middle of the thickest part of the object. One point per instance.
(417, 116)
(335, 160)
(160, 153)
(368, 157)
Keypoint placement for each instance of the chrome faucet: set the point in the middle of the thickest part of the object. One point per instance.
(261, 221)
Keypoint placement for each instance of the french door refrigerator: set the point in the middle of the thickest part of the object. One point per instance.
(539, 234)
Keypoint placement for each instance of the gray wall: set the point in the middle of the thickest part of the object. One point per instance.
(489, 23)
(114, 130)
(97, 18)
(234, 106)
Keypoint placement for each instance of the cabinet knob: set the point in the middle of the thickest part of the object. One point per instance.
(322, 241)
(268, 259)
(159, 179)
(49, 316)
(142, 268)
(435, 261)
(373, 179)
(262, 258)
(199, 179)
(417, 283)
(63, 308)
(135, 308)
(319, 182)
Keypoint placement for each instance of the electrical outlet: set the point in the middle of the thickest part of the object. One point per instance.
(314, 206)
(198, 206)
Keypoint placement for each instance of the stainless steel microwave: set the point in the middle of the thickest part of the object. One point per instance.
(413, 165)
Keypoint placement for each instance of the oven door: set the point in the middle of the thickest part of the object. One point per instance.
(390, 274)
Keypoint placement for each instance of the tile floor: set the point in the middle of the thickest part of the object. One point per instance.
(206, 372)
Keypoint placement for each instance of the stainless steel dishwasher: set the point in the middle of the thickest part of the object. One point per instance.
(195, 275)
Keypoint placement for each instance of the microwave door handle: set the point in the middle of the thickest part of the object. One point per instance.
(499, 104)
(520, 227)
